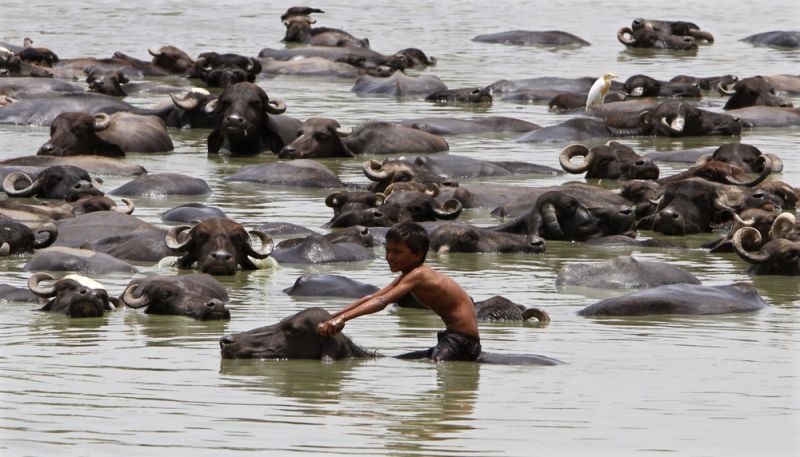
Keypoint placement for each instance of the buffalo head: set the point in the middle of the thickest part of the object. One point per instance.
(217, 245)
(61, 181)
(75, 133)
(197, 296)
(778, 256)
(225, 70)
(753, 91)
(16, 238)
(611, 161)
(318, 137)
(73, 295)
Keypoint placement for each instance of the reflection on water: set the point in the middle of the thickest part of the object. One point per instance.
(138, 384)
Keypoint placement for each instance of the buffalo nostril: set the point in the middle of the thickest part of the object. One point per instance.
(213, 303)
(221, 256)
(537, 243)
(639, 163)
(225, 340)
(83, 291)
(48, 148)
(626, 211)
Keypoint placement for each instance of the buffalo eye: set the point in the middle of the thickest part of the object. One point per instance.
(300, 133)
(165, 294)
(255, 104)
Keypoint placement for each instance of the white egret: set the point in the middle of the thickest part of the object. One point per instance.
(597, 93)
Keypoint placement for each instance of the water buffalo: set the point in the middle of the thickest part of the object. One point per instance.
(755, 91)
(705, 83)
(60, 181)
(673, 118)
(46, 212)
(527, 37)
(690, 299)
(778, 256)
(352, 245)
(16, 238)
(459, 96)
(163, 184)
(499, 308)
(299, 30)
(191, 213)
(692, 205)
(310, 66)
(225, 70)
(767, 116)
(74, 133)
(651, 39)
(722, 172)
(295, 173)
(454, 237)
(778, 39)
(321, 137)
(167, 60)
(84, 261)
(570, 101)
(390, 171)
(398, 84)
(187, 110)
(296, 337)
(759, 219)
(43, 110)
(12, 66)
(456, 126)
(319, 285)
(745, 156)
(623, 272)
(92, 164)
(611, 161)
(38, 56)
(353, 201)
(248, 122)
(645, 86)
(73, 295)
(199, 296)
(218, 245)
(560, 216)
(399, 207)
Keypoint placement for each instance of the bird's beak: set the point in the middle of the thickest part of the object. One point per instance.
(612, 75)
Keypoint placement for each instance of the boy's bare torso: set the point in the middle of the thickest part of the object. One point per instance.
(443, 296)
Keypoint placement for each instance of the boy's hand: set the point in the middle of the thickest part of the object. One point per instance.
(331, 327)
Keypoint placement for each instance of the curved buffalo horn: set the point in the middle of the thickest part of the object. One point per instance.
(211, 106)
(267, 245)
(250, 65)
(275, 107)
(538, 313)
(701, 35)
(449, 209)
(154, 53)
(777, 163)
(755, 238)
(657, 201)
(766, 169)
(333, 200)
(783, 226)
(379, 199)
(723, 90)
(432, 190)
(129, 207)
(44, 292)
(743, 222)
(173, 235)
(202, 62)
(52, 233)
(625, 36)
(9, 184)
(186, 102)
(676, 125)
(5, 249)
(343, 132)
(312, 21)
(373, 170)
(551, 220)
(130, 300)
(101, 121)
(286, 23)
(571, 151)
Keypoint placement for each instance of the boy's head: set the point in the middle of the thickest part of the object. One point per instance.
(411, 235)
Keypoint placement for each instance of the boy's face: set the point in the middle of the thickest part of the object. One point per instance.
(400, 257)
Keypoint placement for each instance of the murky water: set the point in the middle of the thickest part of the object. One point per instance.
(135, 384)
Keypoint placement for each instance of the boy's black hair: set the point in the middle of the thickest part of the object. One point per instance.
(412, 235)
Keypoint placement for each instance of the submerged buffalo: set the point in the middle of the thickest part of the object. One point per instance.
(499, 308)
(398, 84)
(755, 91)
(73, 295)
(76, 133)
(778, 39)
(248, 122)
(60, 181)
(321, 137)
(351, 245)
(299, 30)
(296, 337)
(225, 70)
(217, 245)
(610, 161)
(16, 238)
(681, 299)
(624, 272)
(778, 256)
(452, 237)
(199, 296)
(528, 37)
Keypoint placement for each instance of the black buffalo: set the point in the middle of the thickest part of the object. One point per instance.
(218, 245)
(61, 181)
(321, 137)
(453, 237)
(73, 295)
(755, 91)
(645, 86)
(199, 296)
(17, 238)
(399, 207)
(225, 70)
(248, 123)
(778, 256)
(75, 133)
(611, 161)
(299, 30)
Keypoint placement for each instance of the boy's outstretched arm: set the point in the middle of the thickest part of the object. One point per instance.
(367, 305)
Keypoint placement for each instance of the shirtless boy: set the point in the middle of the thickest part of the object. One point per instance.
(406, 247)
